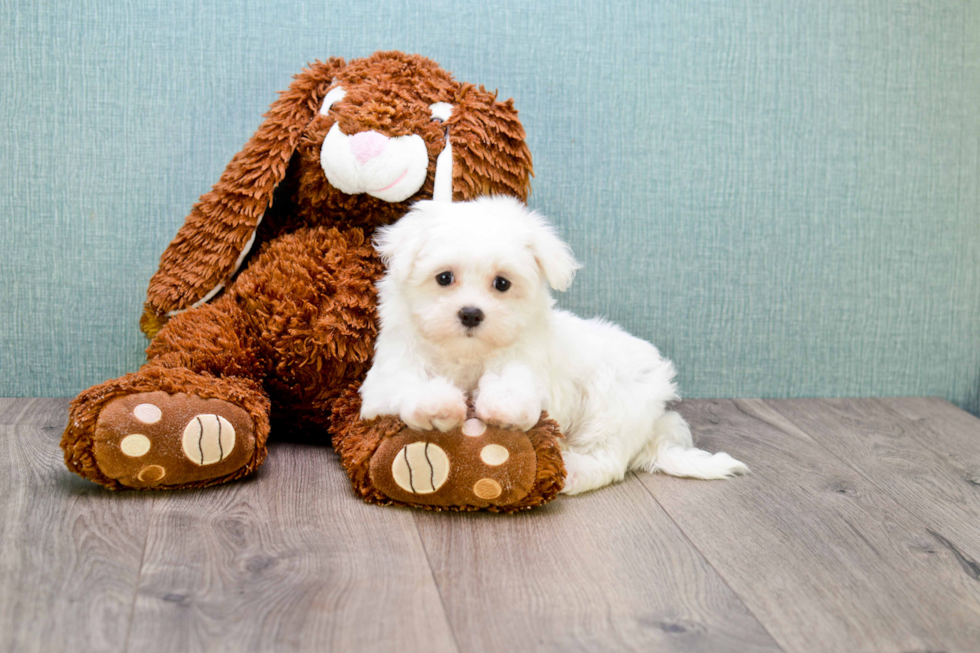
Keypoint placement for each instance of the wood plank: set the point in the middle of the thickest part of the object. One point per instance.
(6, 406)
(289, 560)
(600, 572)
(32, 411)
(950, 432)
(928, 470)
(824, 559)
(69, 550)
(853, 533)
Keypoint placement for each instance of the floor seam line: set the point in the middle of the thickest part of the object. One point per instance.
(435, 582)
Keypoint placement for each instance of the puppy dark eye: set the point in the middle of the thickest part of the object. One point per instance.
(501, 284)
(444, 278)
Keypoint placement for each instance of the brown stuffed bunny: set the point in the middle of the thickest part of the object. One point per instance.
(263, 308)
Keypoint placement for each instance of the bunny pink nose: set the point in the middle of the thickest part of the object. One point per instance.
(367, 145)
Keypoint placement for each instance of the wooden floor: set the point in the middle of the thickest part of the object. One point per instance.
(858, 530)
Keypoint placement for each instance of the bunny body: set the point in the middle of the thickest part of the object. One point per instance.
(262, 314)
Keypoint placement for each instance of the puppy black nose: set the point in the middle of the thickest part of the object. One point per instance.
(470, 316)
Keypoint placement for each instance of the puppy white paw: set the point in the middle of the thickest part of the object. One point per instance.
(504, 407)
(438, 405)
(577, 474)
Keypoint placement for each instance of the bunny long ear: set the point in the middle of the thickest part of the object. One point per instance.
(490, 155)
(220, 230)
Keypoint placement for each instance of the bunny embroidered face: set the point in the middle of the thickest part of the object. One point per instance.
(391, 168)
(380, 131)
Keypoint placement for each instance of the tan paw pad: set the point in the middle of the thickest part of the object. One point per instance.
(148, 413)
(474, 427)
(152, 474)
(494, 455)
(135, 445)
(487, 488)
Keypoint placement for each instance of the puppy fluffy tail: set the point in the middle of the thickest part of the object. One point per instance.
(671, 450)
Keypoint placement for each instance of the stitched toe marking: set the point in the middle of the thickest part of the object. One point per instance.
(420, 468)
(208, 439)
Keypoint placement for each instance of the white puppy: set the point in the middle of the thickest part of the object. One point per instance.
(466, 311)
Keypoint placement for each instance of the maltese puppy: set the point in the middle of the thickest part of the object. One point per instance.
(466, 311)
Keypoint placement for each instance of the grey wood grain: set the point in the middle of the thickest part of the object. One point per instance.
(928, 469)
(824, 558)
(951, 433)
(290, 560)
(853, 533)
(69, 551)
(6, 406)
(607, 571)
(28, 411)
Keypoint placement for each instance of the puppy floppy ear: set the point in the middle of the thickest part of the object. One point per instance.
(400, 244)
(220, 230)
(553, 255)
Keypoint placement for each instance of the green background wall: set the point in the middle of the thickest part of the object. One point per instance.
(783, 196)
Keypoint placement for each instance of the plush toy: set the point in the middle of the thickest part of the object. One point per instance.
(262, 313)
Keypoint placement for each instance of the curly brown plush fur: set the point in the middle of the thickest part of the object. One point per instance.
(265, 299)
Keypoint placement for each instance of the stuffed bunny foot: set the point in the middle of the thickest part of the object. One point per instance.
(193, 430)
(472, 467)
(150, 439)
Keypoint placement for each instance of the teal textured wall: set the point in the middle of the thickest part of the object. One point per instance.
(782, 195)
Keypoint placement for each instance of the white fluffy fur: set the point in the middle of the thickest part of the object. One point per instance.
(607, 389)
